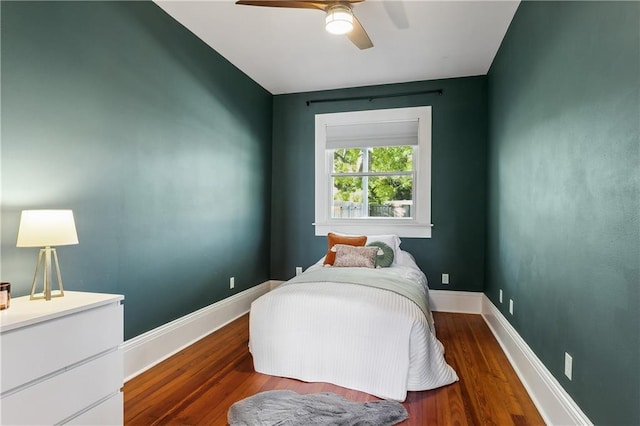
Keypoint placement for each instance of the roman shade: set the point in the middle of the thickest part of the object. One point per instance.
(388, 133)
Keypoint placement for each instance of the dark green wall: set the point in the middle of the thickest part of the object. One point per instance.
(160, 146)
(564, 195)
(458, 177)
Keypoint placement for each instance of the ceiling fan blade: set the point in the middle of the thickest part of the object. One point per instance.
(295, 4)
(397, 13)
(359, 36)
(284, 3)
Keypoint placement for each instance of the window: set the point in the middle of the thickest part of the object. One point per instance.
(371, 182)
(373, 172)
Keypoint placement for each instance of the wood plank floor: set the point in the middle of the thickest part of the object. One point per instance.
(198, 385)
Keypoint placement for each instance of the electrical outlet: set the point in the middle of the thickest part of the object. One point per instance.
(232, 282)
(511, 306)
(568, 365)
(500, 295)
(445, 278)
(298, 270)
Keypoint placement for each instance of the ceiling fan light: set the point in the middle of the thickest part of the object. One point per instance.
(339, 19)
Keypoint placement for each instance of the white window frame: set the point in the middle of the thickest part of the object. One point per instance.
(419, 225)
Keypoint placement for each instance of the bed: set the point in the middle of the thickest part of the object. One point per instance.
(362, 328)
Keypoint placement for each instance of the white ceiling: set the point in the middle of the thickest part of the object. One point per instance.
(288, 50)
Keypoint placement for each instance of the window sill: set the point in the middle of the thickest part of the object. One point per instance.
(410, 229)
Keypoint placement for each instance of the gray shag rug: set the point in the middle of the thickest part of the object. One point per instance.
(284, 407)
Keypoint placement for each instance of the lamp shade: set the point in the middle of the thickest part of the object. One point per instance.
(44, 228)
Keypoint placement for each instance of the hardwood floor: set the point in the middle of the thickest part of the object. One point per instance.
(199, 384)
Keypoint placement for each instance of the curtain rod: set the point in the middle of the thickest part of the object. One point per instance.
(370, 98)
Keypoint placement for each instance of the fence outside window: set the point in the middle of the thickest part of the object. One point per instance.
(351, 210)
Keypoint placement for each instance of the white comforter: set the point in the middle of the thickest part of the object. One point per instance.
(354, 336)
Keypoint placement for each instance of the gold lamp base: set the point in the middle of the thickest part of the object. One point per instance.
(47, 293)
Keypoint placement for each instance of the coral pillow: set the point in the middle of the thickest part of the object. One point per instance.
(333, 239)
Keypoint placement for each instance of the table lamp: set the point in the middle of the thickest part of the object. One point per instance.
(47, 228)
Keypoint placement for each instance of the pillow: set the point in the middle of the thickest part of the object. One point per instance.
(385, 255)
(404, 258)
(391, 240)
(355, 256)
(333, 239)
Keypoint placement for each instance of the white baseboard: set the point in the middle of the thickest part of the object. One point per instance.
(554, 404)
(275, 283)
(150, 348)
(465, 302)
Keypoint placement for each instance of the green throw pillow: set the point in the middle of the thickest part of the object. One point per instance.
(385, 259)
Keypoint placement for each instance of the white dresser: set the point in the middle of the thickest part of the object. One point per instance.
(60, 360)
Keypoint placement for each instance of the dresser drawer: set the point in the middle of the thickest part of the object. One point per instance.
(108, 412)
(37, 350)
(62, 396)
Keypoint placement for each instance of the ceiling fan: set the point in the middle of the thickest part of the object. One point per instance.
(339, 20)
